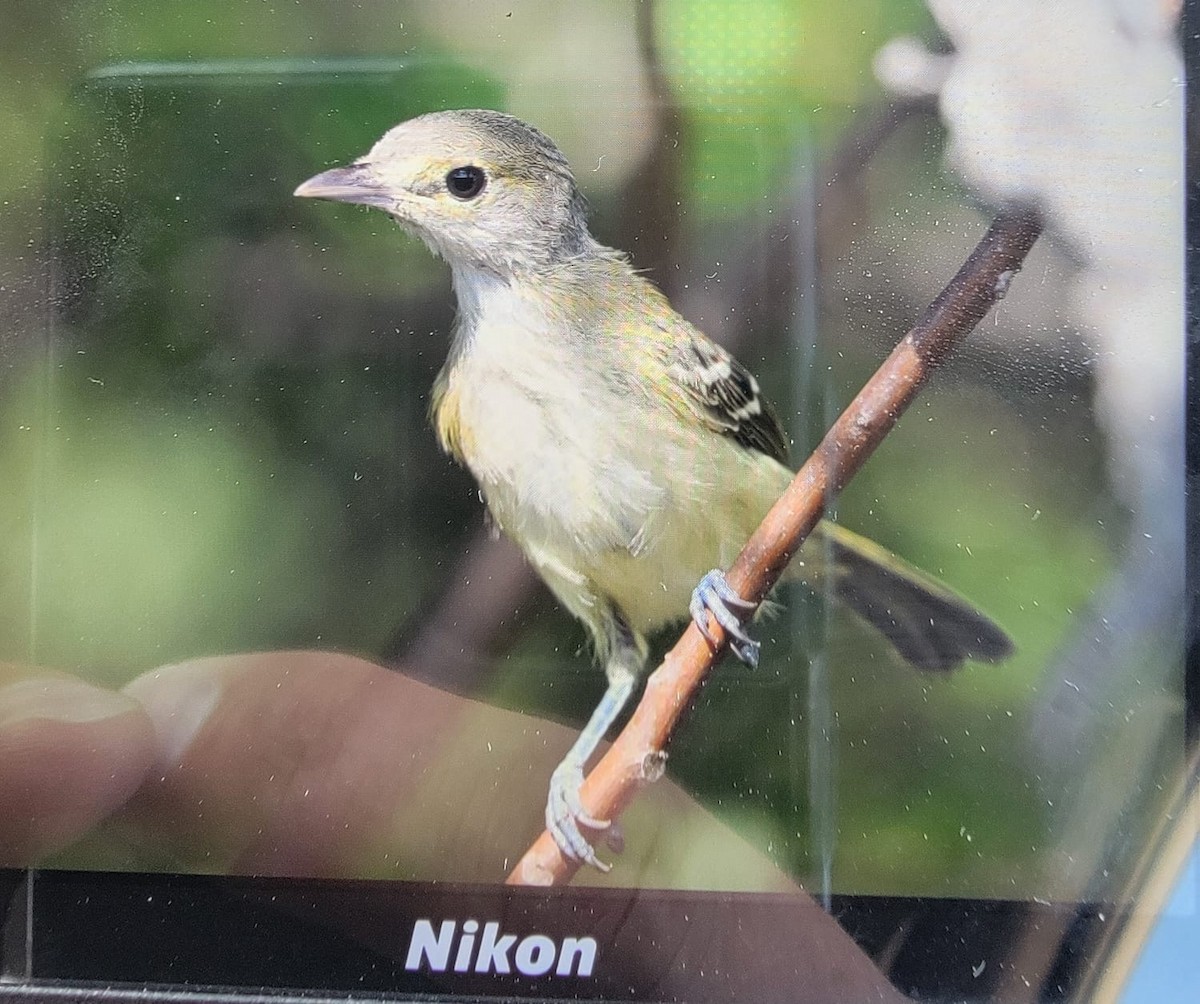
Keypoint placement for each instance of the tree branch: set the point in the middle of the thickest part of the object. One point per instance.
(636, 758)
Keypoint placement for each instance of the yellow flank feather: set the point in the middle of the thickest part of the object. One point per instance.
(446, 416)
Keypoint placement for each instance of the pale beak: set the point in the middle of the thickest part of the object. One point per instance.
(355, 183)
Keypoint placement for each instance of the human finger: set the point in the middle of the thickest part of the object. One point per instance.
(70, 754)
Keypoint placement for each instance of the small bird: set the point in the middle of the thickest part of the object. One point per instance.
(628, 455)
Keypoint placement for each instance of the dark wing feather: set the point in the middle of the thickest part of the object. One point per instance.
(932, 627)
(727, 397)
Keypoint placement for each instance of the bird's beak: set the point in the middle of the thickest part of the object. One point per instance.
(355, 183)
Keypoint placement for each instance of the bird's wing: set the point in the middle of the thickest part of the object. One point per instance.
(724, 395)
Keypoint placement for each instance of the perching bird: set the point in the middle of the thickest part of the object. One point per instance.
(625, 452)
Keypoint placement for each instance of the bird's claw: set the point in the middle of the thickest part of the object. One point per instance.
(565, 814)
(715, 595)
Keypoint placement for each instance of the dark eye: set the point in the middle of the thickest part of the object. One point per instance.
(466, 182)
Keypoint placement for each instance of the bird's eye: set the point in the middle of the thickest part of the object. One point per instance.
(466, 182)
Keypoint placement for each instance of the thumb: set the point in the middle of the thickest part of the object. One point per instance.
(70, 753)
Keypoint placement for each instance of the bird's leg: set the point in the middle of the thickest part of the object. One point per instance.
(564, 810)
(715, 595)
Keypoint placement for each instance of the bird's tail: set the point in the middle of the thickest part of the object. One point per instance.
(928, 624)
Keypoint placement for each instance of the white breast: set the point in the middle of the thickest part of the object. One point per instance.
(539, 436)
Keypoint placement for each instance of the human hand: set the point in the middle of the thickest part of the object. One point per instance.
(312, 764)
(321, 764)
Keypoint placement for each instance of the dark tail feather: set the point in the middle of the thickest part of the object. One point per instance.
(928, 624)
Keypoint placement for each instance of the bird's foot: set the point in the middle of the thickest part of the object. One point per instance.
(716, 596)
(565, 814)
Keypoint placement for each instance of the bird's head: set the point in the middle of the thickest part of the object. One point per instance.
(481, 188)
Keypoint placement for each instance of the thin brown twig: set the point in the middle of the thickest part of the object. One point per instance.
(636, 757)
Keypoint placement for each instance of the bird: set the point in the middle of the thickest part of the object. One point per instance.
(627, 454)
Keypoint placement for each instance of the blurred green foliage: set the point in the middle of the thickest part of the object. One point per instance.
(212, 421)
(758, 79)
(200, 475)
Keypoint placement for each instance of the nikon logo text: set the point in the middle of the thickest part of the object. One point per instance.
(489, 951)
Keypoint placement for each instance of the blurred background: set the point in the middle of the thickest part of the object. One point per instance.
(213, 397)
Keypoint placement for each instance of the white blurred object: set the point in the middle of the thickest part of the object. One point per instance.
(1077, 107)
